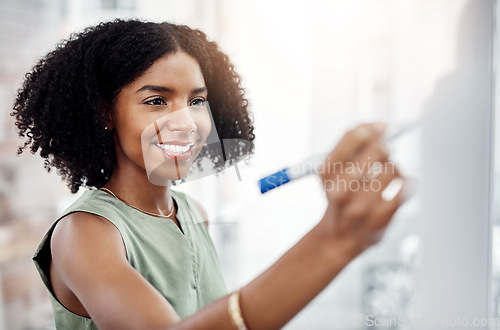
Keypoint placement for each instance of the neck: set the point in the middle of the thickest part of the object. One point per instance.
(133, 187)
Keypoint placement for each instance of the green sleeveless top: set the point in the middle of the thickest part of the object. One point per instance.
(182, 265)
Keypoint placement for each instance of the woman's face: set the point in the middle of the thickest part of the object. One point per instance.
(161, 120)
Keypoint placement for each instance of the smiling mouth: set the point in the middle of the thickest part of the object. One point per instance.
(177, 151)
(174, 148)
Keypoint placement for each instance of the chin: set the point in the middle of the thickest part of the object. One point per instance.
(161, 171)
(162, 175)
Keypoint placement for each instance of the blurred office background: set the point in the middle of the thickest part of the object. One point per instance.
(312, 70)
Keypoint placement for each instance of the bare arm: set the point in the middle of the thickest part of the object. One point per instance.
(353, 221)
(89, 257)
(116, 296)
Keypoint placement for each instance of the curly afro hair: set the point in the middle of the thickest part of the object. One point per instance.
(60, 109)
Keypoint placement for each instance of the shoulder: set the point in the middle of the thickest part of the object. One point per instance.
(81, 220)
(96, 205)
(81, 234)
(80, 242)
(91, 199)
(89, 262)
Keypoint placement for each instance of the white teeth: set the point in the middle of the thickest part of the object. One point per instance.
(174, 148)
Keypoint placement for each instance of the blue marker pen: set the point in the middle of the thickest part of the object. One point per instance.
(314, 163)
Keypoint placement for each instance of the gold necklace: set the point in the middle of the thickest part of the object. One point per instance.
(138, 209)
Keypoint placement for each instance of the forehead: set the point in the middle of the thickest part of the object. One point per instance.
(174, 69)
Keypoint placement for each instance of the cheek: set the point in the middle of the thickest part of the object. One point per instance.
(130, 121)
(128, 132)
(204, 125)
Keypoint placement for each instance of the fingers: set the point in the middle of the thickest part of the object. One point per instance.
(363, 203)
(357, 176)
(375, 187)
(354, 178)
(355, 140)
(384, 210)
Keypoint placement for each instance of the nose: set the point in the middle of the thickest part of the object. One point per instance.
(181, 121)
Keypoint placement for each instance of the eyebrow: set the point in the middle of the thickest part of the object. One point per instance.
(156, 88)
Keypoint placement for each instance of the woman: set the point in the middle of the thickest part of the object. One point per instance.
(133, 254)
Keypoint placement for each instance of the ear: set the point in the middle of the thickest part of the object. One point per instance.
(106, 110)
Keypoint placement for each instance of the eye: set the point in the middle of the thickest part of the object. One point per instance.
(156, 101)
(198, 102)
